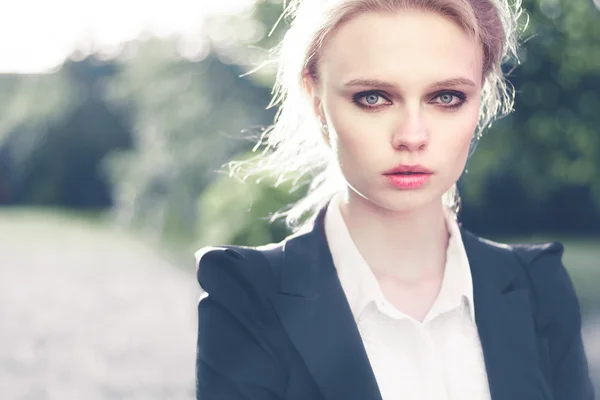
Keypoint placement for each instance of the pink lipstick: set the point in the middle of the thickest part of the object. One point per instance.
(408, 176)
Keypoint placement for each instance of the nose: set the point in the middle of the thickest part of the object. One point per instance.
(411, 132)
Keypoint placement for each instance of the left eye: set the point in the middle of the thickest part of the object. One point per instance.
(372, 98)
(446, 98)
(449, 99)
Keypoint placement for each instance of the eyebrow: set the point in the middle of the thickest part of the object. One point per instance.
(381, 84)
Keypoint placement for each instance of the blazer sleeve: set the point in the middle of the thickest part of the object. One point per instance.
(235, 358)
(559, 323)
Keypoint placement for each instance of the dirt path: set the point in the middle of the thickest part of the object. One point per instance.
(87, 313)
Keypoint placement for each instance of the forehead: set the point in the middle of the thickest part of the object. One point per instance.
(407, 46)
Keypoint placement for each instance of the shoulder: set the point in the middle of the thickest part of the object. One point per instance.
(552, 284)
(525, 252)
(535, 258)
(539, 269)
(539, 254)
(541, 264)
(236, 273)
(534, 255)
(549, 279)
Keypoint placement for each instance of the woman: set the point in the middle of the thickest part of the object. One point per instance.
(384, 295)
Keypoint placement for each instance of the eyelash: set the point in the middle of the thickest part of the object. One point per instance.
(461, 97)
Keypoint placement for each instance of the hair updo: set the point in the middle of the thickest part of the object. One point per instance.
(294, 149)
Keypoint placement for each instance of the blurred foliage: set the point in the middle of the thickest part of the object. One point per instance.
(187, 117)
(240, 212)
(54, 131)
(537, 170)
(148, 131)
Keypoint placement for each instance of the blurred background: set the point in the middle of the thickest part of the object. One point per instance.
(116, 118)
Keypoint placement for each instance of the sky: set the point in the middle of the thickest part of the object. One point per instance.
(37, 35)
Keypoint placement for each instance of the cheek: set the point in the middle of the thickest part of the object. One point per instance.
(451, 137)
(469, 126)
(461, 136)
(352, 132)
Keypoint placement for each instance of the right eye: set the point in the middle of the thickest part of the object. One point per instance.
(369, 99)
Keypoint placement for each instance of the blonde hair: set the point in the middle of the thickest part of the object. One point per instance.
(294, 149)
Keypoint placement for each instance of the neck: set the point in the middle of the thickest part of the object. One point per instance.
(409, 246)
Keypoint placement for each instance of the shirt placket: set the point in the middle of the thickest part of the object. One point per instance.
(437, 389)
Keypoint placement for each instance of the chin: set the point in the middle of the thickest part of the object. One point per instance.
(400, 200)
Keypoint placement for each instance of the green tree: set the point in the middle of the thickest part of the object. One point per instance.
(550, 145)
(188, 120)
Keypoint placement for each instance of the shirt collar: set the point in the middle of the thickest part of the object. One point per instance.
(360, 285)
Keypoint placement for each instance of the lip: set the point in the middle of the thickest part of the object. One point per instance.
(405, 168)
(412, 181)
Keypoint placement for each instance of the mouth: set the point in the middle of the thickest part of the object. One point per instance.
(408, 180)
(408, 170)
(407, 173)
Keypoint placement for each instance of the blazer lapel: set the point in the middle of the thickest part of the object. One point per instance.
(314, 310)
(315, 313)
(504, 318)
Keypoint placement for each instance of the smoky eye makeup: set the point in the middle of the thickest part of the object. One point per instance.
(369, 99)
(451, 99)
(375, 99)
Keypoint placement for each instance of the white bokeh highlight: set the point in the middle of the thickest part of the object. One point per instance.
(37, 35)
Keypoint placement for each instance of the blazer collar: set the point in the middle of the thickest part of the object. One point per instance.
(317, 317)
(505, 321)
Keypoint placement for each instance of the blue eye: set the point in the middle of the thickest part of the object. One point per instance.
(450, 99)
(446, 98)
(372, 99)
(369, 99)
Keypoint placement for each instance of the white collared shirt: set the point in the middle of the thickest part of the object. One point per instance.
(437, 359)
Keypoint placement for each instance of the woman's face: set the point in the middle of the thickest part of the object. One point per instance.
(399, 89)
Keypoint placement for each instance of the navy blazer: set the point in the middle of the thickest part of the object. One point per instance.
(276, 324)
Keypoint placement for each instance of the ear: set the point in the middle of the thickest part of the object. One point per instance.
(312, 91)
